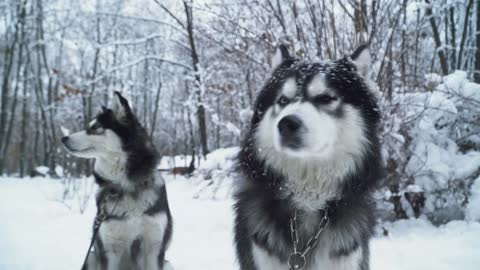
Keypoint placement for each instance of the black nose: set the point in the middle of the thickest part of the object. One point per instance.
(289, 125)
(64, 139)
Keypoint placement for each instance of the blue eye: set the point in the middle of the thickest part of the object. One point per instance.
(283, 100)
(324, 99)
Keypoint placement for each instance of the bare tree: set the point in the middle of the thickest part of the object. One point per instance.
(188, 26)
(477, 47)
(464, 34)
(436, 36)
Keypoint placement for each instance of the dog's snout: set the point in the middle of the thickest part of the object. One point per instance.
(64, 139)
(289, 124)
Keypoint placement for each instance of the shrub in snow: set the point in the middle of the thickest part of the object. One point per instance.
(473, 207)
(430, 142)
(218, 172)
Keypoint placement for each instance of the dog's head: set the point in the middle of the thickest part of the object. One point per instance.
(107, 135)
(314, 111)
(117, 141)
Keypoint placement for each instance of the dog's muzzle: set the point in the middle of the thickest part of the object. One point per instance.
(65, 142)
(290, 128)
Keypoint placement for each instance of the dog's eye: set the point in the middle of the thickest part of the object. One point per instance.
(283, 100)
(324, 99)
(96, 129)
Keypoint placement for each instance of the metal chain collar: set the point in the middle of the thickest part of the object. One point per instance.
(297, 260)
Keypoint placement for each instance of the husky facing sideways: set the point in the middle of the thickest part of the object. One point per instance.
(137, 225)
(307, 166)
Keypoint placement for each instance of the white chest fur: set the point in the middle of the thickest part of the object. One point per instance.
(118, 235)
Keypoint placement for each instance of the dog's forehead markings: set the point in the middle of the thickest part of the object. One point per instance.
(289, 88)
(317, 85)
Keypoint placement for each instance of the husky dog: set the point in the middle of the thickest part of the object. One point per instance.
(307, 166)
(138, 225)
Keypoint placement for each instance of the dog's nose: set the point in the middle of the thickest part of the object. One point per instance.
(64, 139)
(289, 125)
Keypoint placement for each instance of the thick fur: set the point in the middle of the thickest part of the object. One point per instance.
(138, 228)
(332, 164)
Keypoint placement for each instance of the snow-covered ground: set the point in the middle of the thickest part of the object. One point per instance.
(39, 231)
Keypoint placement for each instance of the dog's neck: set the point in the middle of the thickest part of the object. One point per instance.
(311, 184)
(113, 170)
(115, 188)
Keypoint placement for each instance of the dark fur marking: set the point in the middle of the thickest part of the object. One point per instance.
(243, 242)
(100, 253)
(161, 204)
(358, 51)
(167, 237)
(284, 51)
(161, 259)
(102, 182)
(135, 249)
(344, 251)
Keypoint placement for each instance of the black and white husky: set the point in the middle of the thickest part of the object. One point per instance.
(138, 225)
(307, 166)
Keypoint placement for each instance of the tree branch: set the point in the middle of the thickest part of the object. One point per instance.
(162, 6)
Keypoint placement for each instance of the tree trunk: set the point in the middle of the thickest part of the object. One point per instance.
(360, 17)
(155, 110)
(191, 166)
(417, 37)
(198, 83)
(23, 131)
(36, 155)
(4, 98)
(436, 37)
(464, 34)
(373, 29)
(404, 42)
(13, 108)
(477, 51)
(453, 37)
(146, 89)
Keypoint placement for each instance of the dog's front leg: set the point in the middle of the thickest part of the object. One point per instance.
(113, 260)
(153, 260)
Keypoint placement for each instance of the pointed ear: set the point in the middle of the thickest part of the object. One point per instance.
(121, 108)
(281, 54)
(361, 59)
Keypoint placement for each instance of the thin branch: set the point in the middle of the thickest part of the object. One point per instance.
(162, 6)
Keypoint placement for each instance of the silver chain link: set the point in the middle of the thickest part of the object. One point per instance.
(311, 243)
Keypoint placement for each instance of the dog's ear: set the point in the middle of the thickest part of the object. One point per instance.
(121, 108)
(281, 55)
(361, 59)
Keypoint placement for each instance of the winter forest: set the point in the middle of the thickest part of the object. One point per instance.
(191, 70)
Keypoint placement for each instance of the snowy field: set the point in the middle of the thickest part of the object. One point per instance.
(38, 230)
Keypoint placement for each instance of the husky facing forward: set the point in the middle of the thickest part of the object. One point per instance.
(138, 224)
(307, 166)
